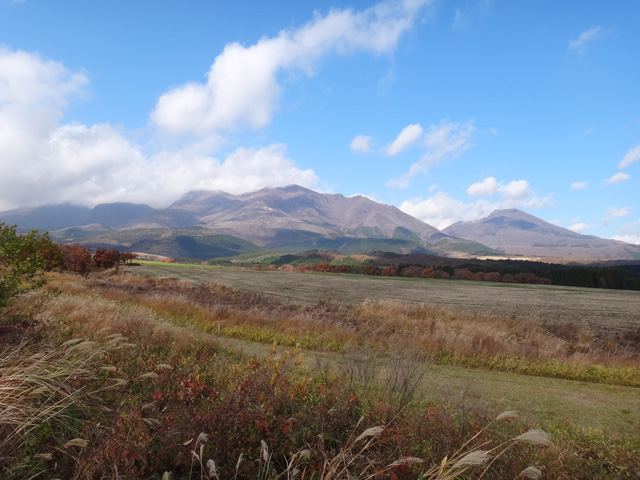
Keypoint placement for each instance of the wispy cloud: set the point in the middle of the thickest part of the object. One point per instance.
(580, 227)
(630, 157)
(579, 185)
(617, 178)
(612, 213)
(361, 144)
(405, 139)
(579, 45)
(448, 140)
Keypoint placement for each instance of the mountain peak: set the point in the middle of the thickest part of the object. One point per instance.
(516, 232)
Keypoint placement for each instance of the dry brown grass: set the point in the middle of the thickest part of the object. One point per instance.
(384, 326)
(171, 373)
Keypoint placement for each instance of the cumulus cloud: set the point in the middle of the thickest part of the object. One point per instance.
(42, 161)
(486, 188)
(631, 156)
(441, 210)
(579, 45)
(446, 141)
(579, 185)
(361, 144)
(407, 137)
(516, 192)
(617, 178)
(579, 227)
(242, 87)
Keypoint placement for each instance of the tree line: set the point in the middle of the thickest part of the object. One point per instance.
(617, 276)
(24, 257)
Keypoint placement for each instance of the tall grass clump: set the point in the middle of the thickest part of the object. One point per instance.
(46, 395)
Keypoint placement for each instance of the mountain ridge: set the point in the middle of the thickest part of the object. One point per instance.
(201, 222)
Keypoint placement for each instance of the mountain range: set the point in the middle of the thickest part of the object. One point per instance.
(209, 224)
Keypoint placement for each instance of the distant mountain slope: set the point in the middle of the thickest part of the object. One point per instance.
(296, 216)
(118, 215)
(274, 217)
(293, 218)
(517, 233)
(48, 217)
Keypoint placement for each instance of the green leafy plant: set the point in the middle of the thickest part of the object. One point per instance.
(21, 262)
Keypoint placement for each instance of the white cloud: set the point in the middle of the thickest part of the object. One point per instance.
(242, 87)
(42, 161)
(445, 141)
(579, 185)
(633, 239)
(441, 210)
(589, 130)
(556, 222)
(486, 188)
(631, 156)
(579, 45)
(629, 233)
(361, 144)
(407, 137)
(612, 213)
(617, 178)
(247, 170)
(580, 227)
(516, 190)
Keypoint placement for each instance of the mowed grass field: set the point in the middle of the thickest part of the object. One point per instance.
(613, 409)
(596, 309)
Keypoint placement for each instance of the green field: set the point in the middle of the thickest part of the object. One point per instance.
(597, 309)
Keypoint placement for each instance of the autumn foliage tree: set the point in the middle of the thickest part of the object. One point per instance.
(104, 258)
(390, 271)
(76, 258)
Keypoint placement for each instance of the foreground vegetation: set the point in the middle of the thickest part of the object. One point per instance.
(118, 376)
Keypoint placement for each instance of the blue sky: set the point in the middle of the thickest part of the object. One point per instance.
(446, 109)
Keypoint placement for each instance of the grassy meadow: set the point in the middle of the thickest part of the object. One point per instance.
(597, 309)
(229, 373)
